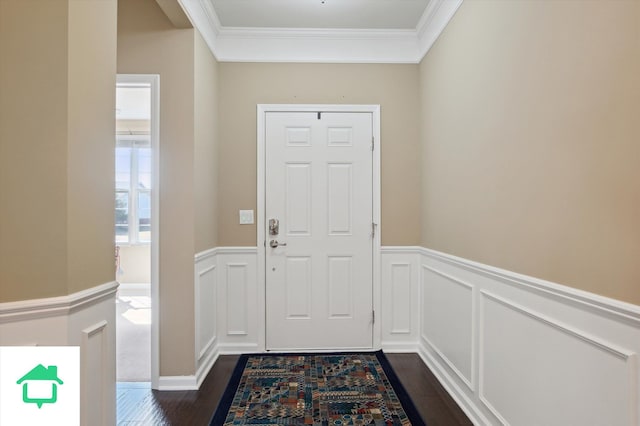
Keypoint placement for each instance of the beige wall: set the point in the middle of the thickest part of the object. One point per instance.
(148, 43)
(57, 73)
(244, 85)
(206, 154)
(530, 125)
(91, 134)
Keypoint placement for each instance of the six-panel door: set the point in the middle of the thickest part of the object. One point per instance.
(319, 186)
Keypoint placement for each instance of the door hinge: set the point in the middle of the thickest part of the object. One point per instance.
(373, 316)
(373, 143)
(373, 229)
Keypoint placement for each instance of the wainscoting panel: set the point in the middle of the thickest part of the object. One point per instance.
(237, 291)
(589, 376)
(205, 289)
(400, 300)
(510, 349)
(226, 305)
(516, 350)
(93, 355)
(237, 300)
(447, 321)
(85, 319)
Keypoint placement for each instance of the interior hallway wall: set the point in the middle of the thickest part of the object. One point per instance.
(394, 87)
(530, 131)
(57, 74)
(206, 146)
(148, 43)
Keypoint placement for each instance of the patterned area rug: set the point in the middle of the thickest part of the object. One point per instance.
(315, 389)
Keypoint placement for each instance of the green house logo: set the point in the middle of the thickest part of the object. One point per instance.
(41, 377)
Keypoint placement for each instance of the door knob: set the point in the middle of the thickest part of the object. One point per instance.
(275, 243)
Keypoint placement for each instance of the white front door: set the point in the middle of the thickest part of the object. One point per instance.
(319, 189)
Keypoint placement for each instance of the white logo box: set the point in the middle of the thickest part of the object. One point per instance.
(39, 385)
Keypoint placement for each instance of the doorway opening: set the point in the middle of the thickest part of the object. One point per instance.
(136, 228)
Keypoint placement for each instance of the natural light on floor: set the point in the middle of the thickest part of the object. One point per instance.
(139, 311)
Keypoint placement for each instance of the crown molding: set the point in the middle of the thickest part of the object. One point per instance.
(240, 44)
(433, 22)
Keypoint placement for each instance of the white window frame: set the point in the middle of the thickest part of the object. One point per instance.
(134, 189)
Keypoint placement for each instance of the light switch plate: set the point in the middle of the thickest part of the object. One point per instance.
(246, 217)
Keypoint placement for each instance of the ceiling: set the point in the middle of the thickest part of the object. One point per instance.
(360, 14)
(335, 31)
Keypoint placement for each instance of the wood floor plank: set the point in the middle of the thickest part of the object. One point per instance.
(138, 404)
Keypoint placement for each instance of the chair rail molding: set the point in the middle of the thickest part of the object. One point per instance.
(85, 319)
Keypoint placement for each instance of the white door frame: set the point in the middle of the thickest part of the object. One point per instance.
(154, 81)
(262, 109)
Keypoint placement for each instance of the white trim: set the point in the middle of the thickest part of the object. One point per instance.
(400, 347)
(206, 254)
(205, 262)
(154, 81)
(615, 350)
(200, 352)
(407, 330)
(602, 325)
(591, 301)
(207, 347)
(177, 383)
(216, 251)
(25, 310)
(433, 22)
(628, 356)
(459, 396)
(243, 44)
(262, 109)
(469, 381)
(207, 363)
(85, 319)
(239, 348)
(97, 327)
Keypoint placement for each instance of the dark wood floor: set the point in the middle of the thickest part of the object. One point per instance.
(139, 405)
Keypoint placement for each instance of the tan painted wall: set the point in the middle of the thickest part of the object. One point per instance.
(56, 115)
(135, 264)
(91, 135)
(244, 85)
(149, 44)
(531, 132)
(206, 154)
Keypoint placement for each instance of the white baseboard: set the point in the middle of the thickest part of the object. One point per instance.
(177, 383)
(400, 347)
(466, 404)
(239, 348)
(207, 363)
